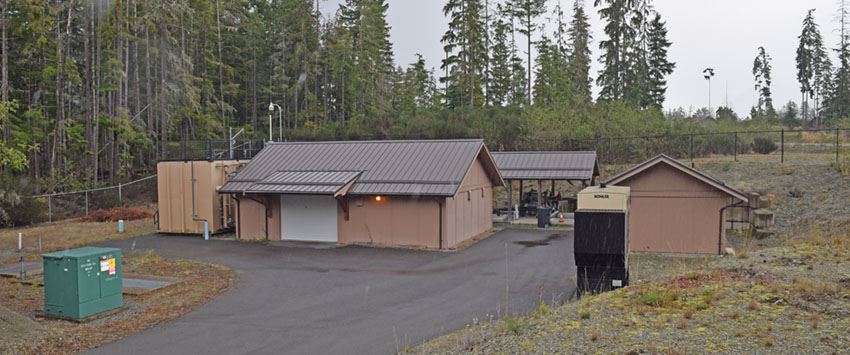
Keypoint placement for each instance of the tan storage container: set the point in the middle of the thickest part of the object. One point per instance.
(188, 196)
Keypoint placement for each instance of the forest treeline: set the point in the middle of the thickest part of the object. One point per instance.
(95, 91)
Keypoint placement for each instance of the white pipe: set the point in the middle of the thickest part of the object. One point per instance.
(20, 242)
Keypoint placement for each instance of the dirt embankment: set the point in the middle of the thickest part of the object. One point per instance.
(793, 299)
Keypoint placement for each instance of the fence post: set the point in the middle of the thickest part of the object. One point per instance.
(87, 203)
(736, 146)
(50, 208)
(837, 147)
(120, 195)
(209, 150)
(692, 150)
(782, 147)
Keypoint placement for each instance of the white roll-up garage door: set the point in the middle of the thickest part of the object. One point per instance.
(308, 218)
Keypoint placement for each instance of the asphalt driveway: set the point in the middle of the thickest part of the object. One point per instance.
(355, 300)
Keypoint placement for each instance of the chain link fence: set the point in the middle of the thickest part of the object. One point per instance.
(812, 146)
(77, 204)
(823, 146)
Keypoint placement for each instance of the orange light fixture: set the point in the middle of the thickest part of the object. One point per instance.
(379, 198)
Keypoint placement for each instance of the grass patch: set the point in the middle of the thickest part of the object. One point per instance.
(65, 235)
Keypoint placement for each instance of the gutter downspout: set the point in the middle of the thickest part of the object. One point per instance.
(194, 211)
(238, 216)
(720, 236)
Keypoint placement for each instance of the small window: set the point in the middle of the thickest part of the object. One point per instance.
(469, 195)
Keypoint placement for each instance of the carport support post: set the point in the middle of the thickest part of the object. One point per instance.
(510, 201)
(539, 194)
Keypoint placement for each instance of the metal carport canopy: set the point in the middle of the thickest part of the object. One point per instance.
(553, 166)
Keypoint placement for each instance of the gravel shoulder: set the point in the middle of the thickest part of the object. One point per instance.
(793, 299)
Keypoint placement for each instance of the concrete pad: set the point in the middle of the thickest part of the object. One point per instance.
(134, 284)
(30, 268)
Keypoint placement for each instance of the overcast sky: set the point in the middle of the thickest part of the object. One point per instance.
(722, 34)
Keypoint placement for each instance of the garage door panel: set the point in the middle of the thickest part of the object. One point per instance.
(309, 218)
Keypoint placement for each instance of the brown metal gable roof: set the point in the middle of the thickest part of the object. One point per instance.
(628, 174)
(426, 167)
(547, 165)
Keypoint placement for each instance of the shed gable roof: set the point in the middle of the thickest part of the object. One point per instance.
(435, 167)
(547, 165)
(664, 159)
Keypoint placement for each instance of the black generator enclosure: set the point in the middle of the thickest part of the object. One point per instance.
(601, 233)
(601, 250)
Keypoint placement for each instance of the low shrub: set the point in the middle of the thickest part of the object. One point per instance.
(117, 213)
(513, 325)
(764, 145)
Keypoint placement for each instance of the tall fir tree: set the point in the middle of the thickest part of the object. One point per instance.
(527, 12)
(580, 53)
(659, 65)
(466, 47)
(838, 104)
(500, 64)
(762, 71)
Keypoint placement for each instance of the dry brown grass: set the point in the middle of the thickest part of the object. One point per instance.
(68, 234)
(116, 214)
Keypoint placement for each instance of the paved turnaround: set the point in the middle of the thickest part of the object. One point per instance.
(354, 300)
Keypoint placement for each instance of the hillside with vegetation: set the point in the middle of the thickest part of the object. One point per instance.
(95, 92)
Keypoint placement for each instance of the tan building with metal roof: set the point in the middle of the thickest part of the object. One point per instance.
(675, 208)
(425, 194)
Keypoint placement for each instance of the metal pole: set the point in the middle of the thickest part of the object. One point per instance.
(230, 143)
(120, 193)
(510, 193)
(837, 147)
(280, 123)
(87, 203)
(782, 147)
(49, 209)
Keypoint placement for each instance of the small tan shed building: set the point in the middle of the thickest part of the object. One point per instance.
(675, 208)
(423, 194)
(187, 196)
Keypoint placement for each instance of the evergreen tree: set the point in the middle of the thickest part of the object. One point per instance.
(466, 46)
(624, 57)
(839, 97)
(809, 48)
(418, 88)
(500, 64)
(580, 53)
(659, 66)
(762, 72)
(553, 84)
(527, 12)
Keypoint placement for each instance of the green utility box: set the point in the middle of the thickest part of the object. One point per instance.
(82, 282)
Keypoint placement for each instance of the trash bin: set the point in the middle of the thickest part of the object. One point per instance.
(543, 215)
(80, 283)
